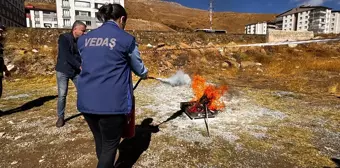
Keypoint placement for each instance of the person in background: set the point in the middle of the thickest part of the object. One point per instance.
(68, 66)
(105, 89)
(3, 67)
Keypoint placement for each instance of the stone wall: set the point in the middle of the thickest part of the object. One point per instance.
(280, 36)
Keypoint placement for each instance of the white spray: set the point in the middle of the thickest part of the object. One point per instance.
(180, 78)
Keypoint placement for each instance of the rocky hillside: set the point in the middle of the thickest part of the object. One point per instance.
(178, 17)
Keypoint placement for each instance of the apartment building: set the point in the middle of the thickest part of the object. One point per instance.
(12, 13)
(259, 28)
(335, 22)
(40, 18)
(306, 18)
(69, 11)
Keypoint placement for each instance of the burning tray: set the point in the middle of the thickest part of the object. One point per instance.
(196, 110)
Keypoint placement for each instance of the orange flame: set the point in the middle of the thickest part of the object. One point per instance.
(214, 93)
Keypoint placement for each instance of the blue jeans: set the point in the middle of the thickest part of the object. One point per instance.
(62, 82)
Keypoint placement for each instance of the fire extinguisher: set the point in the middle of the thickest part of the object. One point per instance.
(129, 128)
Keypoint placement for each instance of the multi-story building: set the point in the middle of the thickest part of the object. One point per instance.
(306, 18)
(12, 13)
(259, 28)
(335, 22)
(69, 11)
(40, 18)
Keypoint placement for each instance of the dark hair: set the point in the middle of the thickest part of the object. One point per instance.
(111, 11)
(78, 23)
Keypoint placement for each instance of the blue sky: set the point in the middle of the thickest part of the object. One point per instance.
(256, 6)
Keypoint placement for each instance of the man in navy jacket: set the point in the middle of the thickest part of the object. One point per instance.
(68, 65)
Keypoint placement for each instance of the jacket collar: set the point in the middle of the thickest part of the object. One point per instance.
(113, 23)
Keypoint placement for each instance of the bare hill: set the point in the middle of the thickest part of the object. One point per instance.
(178, 17)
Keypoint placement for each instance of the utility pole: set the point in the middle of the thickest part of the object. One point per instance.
(211, 14)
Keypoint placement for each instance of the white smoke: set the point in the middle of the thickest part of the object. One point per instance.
(179, 79)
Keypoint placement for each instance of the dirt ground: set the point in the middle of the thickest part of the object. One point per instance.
(259, 128)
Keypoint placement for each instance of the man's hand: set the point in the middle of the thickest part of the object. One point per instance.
(80, 68)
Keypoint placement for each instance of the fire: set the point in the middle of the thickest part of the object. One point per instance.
(213, 93)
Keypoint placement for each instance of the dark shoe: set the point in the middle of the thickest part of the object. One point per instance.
(60, 122)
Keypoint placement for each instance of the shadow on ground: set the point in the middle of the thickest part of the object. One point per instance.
(336, 161)
(131, 149)
(29, 105)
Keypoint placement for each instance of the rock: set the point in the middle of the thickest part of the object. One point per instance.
(10, 67)
(221, 50)
(225, 65)
(183, 45)
(14, 162)
(26, 35)
(204, 60)
(258, 64)
(2, 134)
(263, 51)
(285, 94)
(41, 160)
(18, 137)
(259, 70)
(292, 45)
(210, 44)
(231, 43)
(10, 122)
(45, 46)
(172, 56)
(245, 64)
(168, 64)
(233, 63)
(159, 45)
(149, 45)
(35, 51)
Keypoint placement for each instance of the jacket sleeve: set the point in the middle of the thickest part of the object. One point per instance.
(64, 50)
(136, 62)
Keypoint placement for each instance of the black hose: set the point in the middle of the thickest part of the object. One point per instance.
(140, 79)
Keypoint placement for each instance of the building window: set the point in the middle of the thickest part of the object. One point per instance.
(88, 23)
(332, 29)
(285, 25)
(83, 13)
(299, 28)
(36, 13)
(333, 19)
(67, 22)
(332, 24)
(300, 18)
(82, 4)
(98, 5)
(66, 12)
(306, 22)
(291, 20)
(306, 27)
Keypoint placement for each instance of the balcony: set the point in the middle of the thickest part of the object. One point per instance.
(318, 13)
(84, 17)
(65, 4)
(66, 16)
